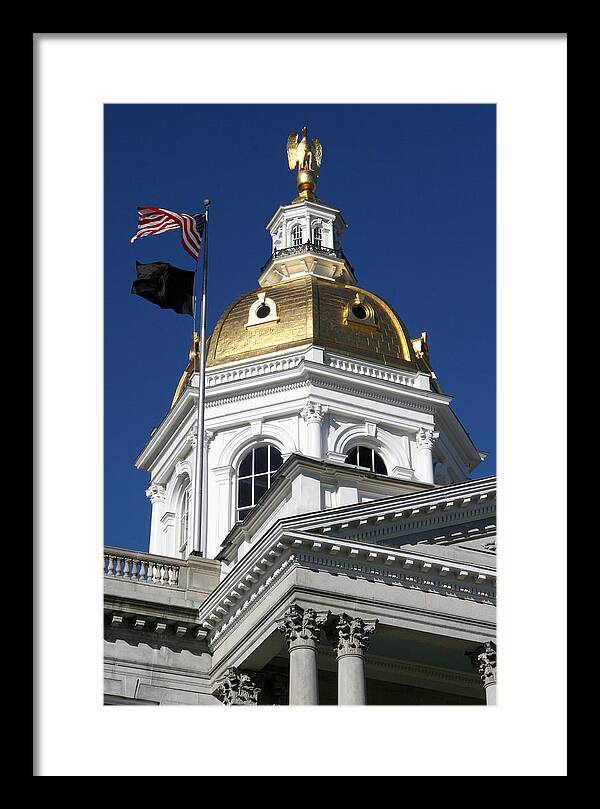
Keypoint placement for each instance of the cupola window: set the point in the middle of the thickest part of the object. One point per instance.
(262, 310)
(360, 312)
(318, 237)
(255, 474)
(296, 236)
(367, 458)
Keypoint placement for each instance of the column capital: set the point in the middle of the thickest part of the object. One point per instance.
(192, 435)
(237, 688)
(223, 474)
(302, 627)
(426, 438)
(313, 412)
(484, 660)
(156, 493)
(353, 635)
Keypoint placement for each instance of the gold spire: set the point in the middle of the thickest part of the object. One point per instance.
(308, 158)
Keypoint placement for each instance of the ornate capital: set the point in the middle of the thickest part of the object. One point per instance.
(353, 635)
(192, 436)
(209, 436)
(484, 659)
(426, 438)
(312, 412)
(156, 493)
(302, 627)
(237, 689)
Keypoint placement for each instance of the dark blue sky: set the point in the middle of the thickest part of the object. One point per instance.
(416, 184)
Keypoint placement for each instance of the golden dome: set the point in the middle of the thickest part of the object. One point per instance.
(313, 310)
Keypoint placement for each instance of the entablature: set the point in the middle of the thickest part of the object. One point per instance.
(251, 577)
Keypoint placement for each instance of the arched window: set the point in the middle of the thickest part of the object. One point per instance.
(296, 236)
(366, 458)
(318, 237)
(183, 528)
(255, 474)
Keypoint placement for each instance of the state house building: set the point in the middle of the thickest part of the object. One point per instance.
(347, 557)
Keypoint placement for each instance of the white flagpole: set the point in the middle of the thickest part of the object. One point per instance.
(197, 543)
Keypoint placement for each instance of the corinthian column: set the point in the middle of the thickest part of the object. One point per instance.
(313, 414)
(353, 640)
(156, 494)
(237, 688)
(484, 659)
(424, 459)
(302, 629)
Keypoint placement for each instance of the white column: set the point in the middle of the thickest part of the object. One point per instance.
(484, 659)
(424, 460)
(156, 494)
(208, 439)
(313, 414)
(302, 629)
(220, 505)
(353, 640)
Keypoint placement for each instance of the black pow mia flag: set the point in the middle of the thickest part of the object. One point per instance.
(165, 285)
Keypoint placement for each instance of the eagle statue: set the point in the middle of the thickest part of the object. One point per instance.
(307, 156)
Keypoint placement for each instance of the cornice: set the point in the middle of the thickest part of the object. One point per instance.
(458, 439)
(265, 378)
(256, 572)
(413, 507)
(254, 394)
(123, 614)
(440, 498)
(431, 518)
(286, 371)
(161, 434)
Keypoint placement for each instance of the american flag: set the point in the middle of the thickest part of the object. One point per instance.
(152, 221)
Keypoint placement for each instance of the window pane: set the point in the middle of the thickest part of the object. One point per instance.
(276, 459)
(380, 467)
(261, 455)
(242, 512)
(246, 466)
(352, 456)
(244, 493)
(261, 484)
(365, 457)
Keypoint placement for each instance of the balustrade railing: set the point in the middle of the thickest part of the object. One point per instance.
(308, 247)
(141, 568)
(357, 367)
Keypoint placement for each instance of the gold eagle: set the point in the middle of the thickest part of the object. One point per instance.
(306, 156)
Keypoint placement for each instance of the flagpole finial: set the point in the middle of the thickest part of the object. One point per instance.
(206, 203)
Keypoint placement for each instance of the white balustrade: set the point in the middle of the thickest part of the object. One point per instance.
(143, 569)
(250, 371)
(370, 370)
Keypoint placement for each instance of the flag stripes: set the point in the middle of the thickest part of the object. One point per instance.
(152, 221)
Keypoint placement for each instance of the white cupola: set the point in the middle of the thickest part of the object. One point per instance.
(306, 237)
